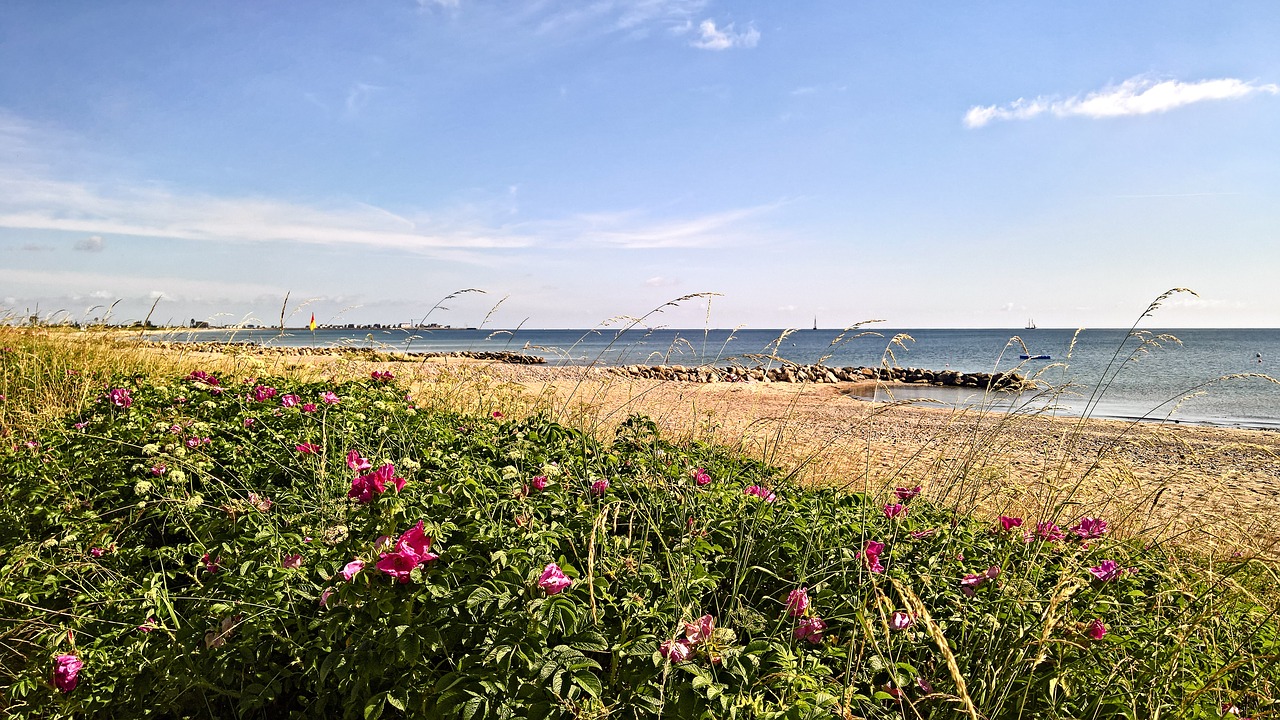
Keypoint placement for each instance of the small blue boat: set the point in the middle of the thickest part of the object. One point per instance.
(1034, 357)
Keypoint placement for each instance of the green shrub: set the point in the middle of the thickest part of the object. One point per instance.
(182, 547)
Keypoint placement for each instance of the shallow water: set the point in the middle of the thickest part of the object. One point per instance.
(1112, 373)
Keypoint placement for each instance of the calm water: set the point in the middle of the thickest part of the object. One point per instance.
(1150, 384)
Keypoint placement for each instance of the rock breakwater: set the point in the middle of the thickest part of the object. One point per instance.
(824, 374)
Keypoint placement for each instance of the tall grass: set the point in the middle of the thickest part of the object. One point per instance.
(1189, 632)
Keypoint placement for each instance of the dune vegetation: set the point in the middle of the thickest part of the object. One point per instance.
(187, 537)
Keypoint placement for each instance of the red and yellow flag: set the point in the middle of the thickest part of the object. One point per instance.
(313, 322)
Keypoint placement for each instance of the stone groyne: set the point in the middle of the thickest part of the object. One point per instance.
(824, 374)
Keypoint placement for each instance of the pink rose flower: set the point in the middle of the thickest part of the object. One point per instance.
(905, 494)
(677, 651)
(1090, 528)
(699, 631)
(398, 565)
(291, 561)
(1096, 630)
(416, 542)
(351, 569)
(553, 581)
(382, 375)
(120, 398)
(1008, 523)
(761, 492)
(66, 672)
(307, 448)
(1107, 570)
(797, 602)
(810, 630)
(262, 393)
(158, 470)
(598, 487)
(540, 482)
(871, 556)
(289, 400)
(324, 597)
(210, 565)
(701, 477)
(900, 621)
(1049, 532)
(329, 398)
(308, 407)
(149, 625)
(893, 510)
(357, 463)
(497, 414)
(96, 552)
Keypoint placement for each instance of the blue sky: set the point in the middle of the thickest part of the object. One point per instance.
(929, 164)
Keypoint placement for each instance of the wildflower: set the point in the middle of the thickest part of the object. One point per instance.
(677, 651)
(810, 630)
(1090, 528)
(357, 463)
(211, 566)
(78, 426)
(149, 625)
(289, 400)
(158, 470)
(262, 393)
(416, 542)
(900, 621)
(553, 580)
(761, 492)
(1049, 532)
(329, 398)
(291, 561)
(971, 582)
(540, 482)
(871, 556)
(1107, 570)
(248, 422)
(921, 534)
(31, 444)
(203, 377)
(308, 407)
(797, 602)
(120, 398)
(1008, 523)
(905, 494)
(96, 552)
(398, 565)
(701, 477)
(497, 414)
(382, 375)
(598, 487)
(307, 448)
(351, 569)
(893, 510)
(324, 597)
(924, 685)
(700, 630)
(1096, 630)
(66, 672)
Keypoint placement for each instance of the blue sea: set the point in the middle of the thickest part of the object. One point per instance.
(1112, 373)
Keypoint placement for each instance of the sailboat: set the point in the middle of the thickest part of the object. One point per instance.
(815, 322)
(1031, 324)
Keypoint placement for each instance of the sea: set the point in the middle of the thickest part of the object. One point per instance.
(1205, 376)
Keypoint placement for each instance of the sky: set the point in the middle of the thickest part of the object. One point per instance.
(926, 164)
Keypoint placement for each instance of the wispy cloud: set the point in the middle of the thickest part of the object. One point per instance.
(93, 243)
(71, 285)
(712, 38)
(633, 230)
(1136, 96)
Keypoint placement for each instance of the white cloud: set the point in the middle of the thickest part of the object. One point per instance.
(1136, 96)
(71, 284)
(660, 281)
(713, 38)
(631, 230)
(93, 243)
